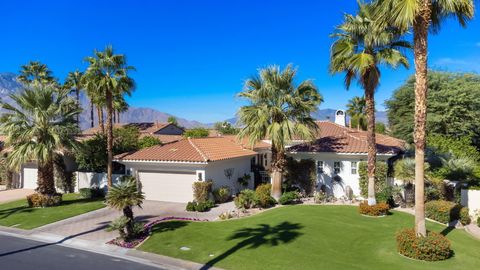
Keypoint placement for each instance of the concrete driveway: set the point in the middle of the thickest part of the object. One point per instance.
(91, 226)
(14, 194)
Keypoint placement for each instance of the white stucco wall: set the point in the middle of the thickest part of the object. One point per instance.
(347, 178)
(216, 171)
(471, 199)
(92, 179)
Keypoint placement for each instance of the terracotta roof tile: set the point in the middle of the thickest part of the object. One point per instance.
(190, 150)
(339, 139)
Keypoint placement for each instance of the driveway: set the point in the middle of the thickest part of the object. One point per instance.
(91, 226)
(14, 194)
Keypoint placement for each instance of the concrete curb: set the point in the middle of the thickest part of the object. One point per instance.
(154, 260)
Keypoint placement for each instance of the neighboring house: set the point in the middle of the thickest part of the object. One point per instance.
(165, 132)
(338, 150)
(167, 172)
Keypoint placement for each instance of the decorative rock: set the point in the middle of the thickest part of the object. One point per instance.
(185, 248)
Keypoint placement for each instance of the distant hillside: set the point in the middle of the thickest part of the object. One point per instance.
(9, 85)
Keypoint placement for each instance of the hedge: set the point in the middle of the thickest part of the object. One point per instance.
(380, 177)
(433, 247)
(442, 211)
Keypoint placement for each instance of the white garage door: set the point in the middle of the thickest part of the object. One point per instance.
(30, 178)
(167, 186)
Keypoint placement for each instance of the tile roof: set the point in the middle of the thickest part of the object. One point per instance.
(339, 139)
(190, 150)
(143, 127)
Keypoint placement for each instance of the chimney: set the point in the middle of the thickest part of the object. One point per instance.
(340, 117)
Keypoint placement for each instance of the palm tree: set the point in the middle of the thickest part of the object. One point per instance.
(40, 125)
(36, 73)
(422, 16)
(361, 46)
(124, 196)
(108, 72)
(280, 111)
(74, 82)
(356, 110)
(120, 105)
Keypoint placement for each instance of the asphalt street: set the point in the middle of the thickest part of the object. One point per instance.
(22, 254)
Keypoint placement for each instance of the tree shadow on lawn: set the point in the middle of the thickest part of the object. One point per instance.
(264, 234)
(169, 226)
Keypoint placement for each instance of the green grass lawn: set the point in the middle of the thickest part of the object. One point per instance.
(304, 237)
(17, 213)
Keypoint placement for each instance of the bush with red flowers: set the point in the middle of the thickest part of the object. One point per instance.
(379, 209)
(433, 247)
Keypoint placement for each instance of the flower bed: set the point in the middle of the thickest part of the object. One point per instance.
(147, 231)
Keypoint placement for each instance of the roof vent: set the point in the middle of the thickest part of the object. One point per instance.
(340, 117)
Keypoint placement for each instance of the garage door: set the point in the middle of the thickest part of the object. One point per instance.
(30, 178)
(167, 186)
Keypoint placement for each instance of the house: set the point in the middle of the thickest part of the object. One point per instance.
(338, 150)
(167, 172)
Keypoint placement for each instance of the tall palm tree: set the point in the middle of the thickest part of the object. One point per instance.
(109, 73)
(422, 16)
(280, 111)
(36, 73)
(356, 110)
(361, 46)
(74, 82)
(38, 126)
(120, 105)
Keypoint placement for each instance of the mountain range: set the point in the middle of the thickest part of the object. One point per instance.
(9, 85)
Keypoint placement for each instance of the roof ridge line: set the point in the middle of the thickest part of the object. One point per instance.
(197, 149)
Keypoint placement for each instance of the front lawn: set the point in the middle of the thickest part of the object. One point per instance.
(304, 237)
(17, 213)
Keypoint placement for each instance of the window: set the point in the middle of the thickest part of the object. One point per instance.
(354, 167)
(336, 167)
(265, 158)
(200, 176)
(319, 167)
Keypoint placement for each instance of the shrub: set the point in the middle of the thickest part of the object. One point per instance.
(202, 190)
(385, 195)
(40, 200)
(245, 200)
(191, 206)
(289, 197)
(301, 174)
(433, 247)
(196, 133)
(379, 209)
(380, 177)
(320, 197)
(200, 207)
(148, 141)
(222, 194)
(263, 197)
(85, 193)
(478, 221)
(225, 215)
(465, 216)
(442, 211)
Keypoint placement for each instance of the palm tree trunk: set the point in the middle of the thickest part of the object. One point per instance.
(100, 119)
(77, 92)
(109, 101)
(45, 179)
(420, 36)
(114, 116)
(128, 213)
(118, 117)
(92, 124)
(278, 162)
(372, 145)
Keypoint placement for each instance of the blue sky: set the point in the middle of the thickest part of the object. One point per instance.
(192, 57)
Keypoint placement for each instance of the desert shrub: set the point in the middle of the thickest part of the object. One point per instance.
(40, 200)
(289, 197)
(380, 177)
(301, 174)
(225, 215)
(320, 197)
(191, 206)
(222, 194)
(120, 224)
(379, 209)
(245, 200)
(202, 190)
(263, 197)
(433, 247)
(442, 211)
(200, 206)
(465, 216)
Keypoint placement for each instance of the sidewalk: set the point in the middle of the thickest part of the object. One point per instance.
(146, 258)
